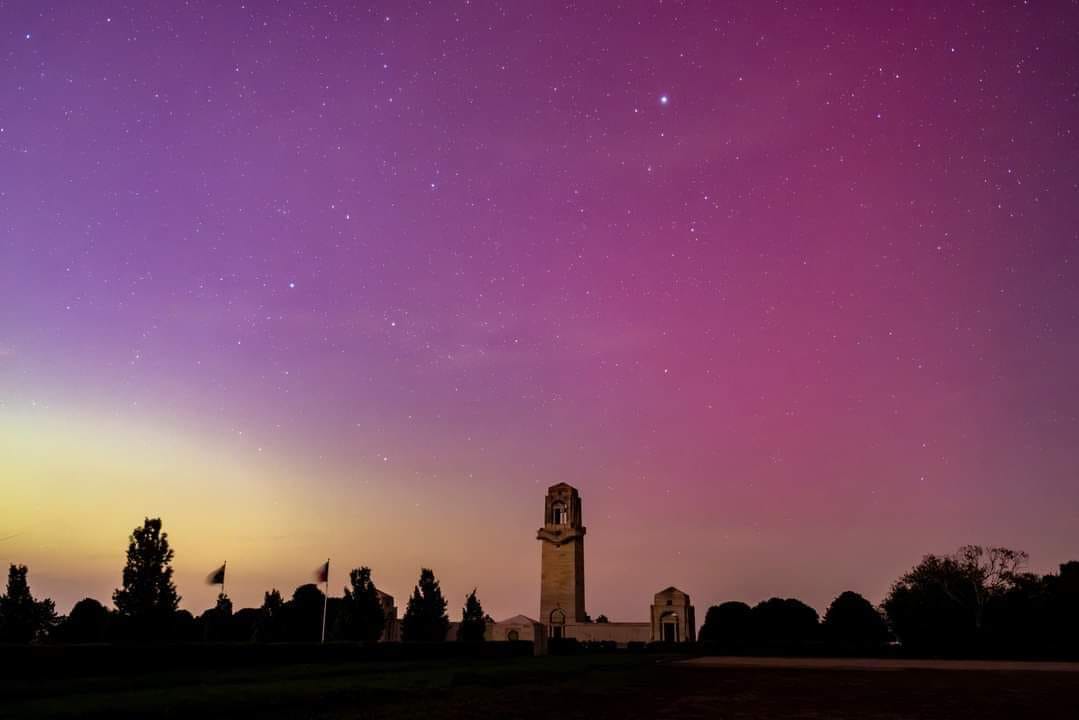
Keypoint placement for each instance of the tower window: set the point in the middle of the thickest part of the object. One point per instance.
(558, 514)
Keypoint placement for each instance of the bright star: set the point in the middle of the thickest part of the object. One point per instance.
(663, 99)
(291, 285)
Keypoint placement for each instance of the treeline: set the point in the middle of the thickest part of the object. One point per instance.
(146, 609)
(977, 602)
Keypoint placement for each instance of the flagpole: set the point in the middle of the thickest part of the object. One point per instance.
(325, 600)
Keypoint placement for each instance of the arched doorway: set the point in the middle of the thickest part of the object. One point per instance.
(557, 623)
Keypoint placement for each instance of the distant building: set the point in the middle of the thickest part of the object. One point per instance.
(562, 607)
(672, 617)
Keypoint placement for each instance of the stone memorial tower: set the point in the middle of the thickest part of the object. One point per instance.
(562, 574)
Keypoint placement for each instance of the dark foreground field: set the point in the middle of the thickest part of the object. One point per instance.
(624, 686)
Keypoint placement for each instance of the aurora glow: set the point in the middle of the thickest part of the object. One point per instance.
(792, 297)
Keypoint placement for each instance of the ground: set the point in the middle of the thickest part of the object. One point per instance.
(623, 686)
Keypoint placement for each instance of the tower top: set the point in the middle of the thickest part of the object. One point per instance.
(562, 518)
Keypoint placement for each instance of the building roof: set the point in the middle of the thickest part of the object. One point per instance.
(519, 620)
(672, 590)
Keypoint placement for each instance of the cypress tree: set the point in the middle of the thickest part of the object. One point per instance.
(473, 623)
(362, 617)
(425, 618)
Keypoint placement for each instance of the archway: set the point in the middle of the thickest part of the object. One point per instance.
(557, 623)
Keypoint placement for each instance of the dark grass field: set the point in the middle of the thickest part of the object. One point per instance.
(622, 686)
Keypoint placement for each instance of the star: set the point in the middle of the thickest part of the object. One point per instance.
(664, 99)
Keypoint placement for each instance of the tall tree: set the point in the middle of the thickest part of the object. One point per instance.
(989, 573)
(425, 618)
(148, 597)
(940, 605)
(853, 625)
(473, 623)
(927, 608)
(361, 616)
(22, 618)
(783, 624)
(727, 626)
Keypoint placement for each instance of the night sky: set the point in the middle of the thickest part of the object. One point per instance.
(791, 295)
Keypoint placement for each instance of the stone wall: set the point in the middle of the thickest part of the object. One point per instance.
(519, 628)
(618, 632)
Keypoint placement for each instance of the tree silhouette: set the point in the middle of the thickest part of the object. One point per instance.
(989, 573)
(88, 622)
(22, 618)
(940, 606)
(1062, 610)
(304, 614)
(473, 624)
(783, 625)
(602, 619)
(425, 618)
(216, 622)
(185, 628)
(853, 626)
(271, 625)
(272, 601)
(1019, 621)
(927, 609)
(244, 624)
(728, 626)
(361, 616)
(148, 597)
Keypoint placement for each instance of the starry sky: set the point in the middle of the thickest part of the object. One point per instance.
(790, 294)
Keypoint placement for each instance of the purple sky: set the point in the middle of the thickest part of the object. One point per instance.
(791, 295)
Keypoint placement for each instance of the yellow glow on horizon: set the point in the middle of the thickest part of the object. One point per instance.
(74, 485)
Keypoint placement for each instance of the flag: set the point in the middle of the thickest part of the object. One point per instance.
(217, 577)
(323, 576)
